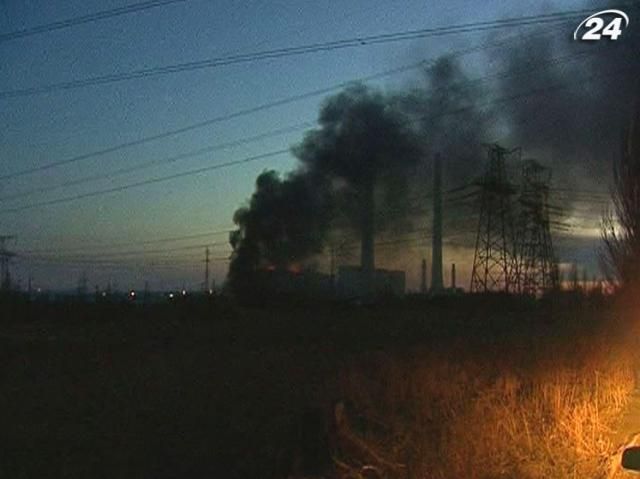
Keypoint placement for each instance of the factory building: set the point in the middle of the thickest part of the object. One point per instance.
(352, 282)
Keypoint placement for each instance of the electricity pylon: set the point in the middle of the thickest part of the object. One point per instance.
(495, 264)
(537, 264)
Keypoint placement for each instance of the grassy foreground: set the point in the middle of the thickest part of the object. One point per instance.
(471, 388)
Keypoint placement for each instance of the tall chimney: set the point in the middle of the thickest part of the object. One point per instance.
(453, 276)
(367, 259)
(423, 277)
(437, 284)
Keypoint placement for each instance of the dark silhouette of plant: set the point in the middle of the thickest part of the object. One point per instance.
(620, 255)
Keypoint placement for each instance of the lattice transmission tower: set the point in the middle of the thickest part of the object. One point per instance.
(495, 263)
(538, 267)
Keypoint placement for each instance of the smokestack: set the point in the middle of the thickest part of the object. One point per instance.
(437, 283)
(453, 276)
(423, 282)
(367, 259)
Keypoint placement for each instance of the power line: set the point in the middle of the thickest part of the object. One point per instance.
(119, 254)
(131, 243)
(91, 248)
(422, 241)
(593, 193)
(111, 245)
(34, 254)
(284, 151)
(183, 262)
(184, 253)
(150, 181)
(157, 162)
(136, 262)
(52, 262)
(202, 124)
(112, 259)
(268, 134)
(90, 18)
(425, 63)
(354, 42)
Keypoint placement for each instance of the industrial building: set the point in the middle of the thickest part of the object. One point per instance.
(351, 282)
(305, 282)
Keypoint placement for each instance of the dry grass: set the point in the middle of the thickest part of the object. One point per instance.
(545, 411)
(445, 390)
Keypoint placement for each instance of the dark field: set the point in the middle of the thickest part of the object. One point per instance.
(430, 389)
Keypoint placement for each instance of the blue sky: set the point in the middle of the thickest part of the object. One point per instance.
(50, 127)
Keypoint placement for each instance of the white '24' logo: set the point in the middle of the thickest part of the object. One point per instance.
(596, 28)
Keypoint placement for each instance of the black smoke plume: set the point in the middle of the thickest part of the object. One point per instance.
(285, 222)
(366, 149)
(564, 102)
(584, 91)
(446, 107)
(358, 160)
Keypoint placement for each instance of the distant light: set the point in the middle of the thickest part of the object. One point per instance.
(184, 292)
(132, 294)
(39, 290)
(170, 295)
(210, 291)
(104, 294)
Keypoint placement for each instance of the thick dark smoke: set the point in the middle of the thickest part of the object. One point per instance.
(451, 111)
(447, 110)
(574, 123)
(364, 145)
(285, 222)
(361, 155)
(564, 102)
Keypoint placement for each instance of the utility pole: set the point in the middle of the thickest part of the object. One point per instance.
(5, 258)
(495, 262)
(437, 283)
(206, 270)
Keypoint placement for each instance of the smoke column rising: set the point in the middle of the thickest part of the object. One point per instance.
(373, 151)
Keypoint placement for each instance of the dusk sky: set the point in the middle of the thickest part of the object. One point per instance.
(102, 235)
